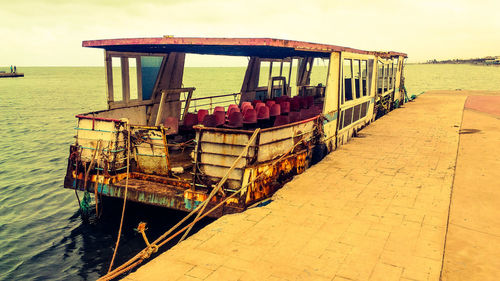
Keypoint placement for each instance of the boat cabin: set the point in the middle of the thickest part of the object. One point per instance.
(297, 102)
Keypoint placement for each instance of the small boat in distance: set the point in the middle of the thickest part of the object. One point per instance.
(169, 147)
(4, 74)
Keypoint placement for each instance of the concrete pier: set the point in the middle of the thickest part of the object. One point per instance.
(414, 197)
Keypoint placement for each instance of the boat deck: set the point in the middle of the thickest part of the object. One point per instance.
(382, 215)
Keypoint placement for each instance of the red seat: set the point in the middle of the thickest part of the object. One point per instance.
(245, 108)
(263, 113)
(285, 107)
(255, 102)
(219, 108)
(235, 120)
(302, 101)
(307, 113)
(281, 99)
(269, 103)
(201, 115)
(190, 120)
(294, 105)
(316, 110)
(250, 116)
(220, 118)
(294, 116)
(209, 120)
(171, 125)
(275, 110)
(245, 103)
(232, 109)
(304, 113)
(259, 105)
(309, 101)
(281, 120)
(232, 106)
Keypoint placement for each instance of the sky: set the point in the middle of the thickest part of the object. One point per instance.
(50, 32)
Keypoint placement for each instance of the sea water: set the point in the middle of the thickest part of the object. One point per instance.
(42, 236)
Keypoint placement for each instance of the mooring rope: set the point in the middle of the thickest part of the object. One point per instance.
(77, 156)
(96, 185)
(124, 200)
(146, 252)
(223, 180)
(85, 203)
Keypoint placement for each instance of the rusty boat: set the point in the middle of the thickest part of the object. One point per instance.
(170, 147)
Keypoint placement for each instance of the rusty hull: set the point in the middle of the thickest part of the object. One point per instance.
(178, 194)
(152, 190)
(274, 176)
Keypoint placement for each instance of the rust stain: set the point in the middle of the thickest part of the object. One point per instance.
(179, 193)
(275, 176)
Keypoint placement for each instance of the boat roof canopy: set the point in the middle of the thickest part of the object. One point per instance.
(260, 47)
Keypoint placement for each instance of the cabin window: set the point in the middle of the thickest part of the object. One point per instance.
(357, 77)
(356, 113)
(293, 77)
(117, 78)
(312, 74)
(132, 76)
(347, 70)
(391, 76)
(395, 73)
(274, 68)
(265, 73)
(380, 75)
(278, 70)
(319, 72)
(386, 77)
(125, 74)
(287, 72)
(132, 73)
(347, 117)
(364, 78)
(150, 67)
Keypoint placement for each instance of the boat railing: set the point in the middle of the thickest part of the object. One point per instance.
(208, 102)
(188, 102)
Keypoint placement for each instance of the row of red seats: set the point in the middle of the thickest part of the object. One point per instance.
(277, 112)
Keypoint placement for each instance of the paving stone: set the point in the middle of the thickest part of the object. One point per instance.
(374, 209)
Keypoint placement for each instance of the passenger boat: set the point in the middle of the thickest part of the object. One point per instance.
(180, 146)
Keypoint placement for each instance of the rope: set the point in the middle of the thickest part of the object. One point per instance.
(124, 200)
(142, 255)
(77, 156)
(87, 171)
(85, 203)
(96, 185)
(232, 195)
(223, 180)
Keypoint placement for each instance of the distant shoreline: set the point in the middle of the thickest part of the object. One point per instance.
(477, 61)
(476, 64)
